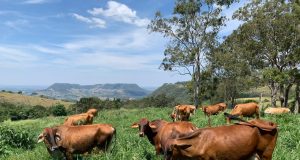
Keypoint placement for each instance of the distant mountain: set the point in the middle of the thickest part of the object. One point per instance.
(178, 91)
(76, 91)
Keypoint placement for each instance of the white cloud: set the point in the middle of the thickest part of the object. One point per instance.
(120, 12)
(12, 56)
(35, 1)
(94, 22)
(17, 24)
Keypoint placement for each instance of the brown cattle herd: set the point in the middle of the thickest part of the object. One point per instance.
(177, 140)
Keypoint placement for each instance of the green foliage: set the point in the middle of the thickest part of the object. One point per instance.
(11, 138)
(270, 39)
(192, 33)
(37, 111)
(58, 110)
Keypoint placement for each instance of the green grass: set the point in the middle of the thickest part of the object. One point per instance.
(130, 146)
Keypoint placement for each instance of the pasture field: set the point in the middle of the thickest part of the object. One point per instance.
(129, 146)
(19, 99)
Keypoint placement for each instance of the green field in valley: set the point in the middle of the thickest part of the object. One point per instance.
(129, 146)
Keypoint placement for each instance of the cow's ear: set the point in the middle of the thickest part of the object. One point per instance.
(181, 146)
(152, 126)
(135, 125)
(41, 138)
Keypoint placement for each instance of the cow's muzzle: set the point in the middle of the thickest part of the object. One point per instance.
(141, 134)
(53, 148)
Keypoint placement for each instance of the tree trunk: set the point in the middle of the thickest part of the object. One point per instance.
(274, 89)
(286, 95)
(297, 99)
(281, 95)
(232, 101)
(197, 80)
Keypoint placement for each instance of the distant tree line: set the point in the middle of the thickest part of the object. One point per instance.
(21, 112)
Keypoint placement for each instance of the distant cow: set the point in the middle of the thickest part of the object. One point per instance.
(79, 119)
(213, 110)
(223, 106)
(245, 110)
(183, 112)
(272, 110)
(158, 131)
(93, 111)
(241, 141)
(77, 139)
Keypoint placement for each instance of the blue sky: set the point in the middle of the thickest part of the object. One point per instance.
(84, 42)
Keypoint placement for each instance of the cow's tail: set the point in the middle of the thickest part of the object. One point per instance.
(234, 117)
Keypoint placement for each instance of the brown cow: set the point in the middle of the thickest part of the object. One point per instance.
(79, 119)
(92, 111)
(223, 106)
(183, 112)
(158, 131)
(245, 109)
(213, 110)
(236, 142)
(77, 139)
(272, 110)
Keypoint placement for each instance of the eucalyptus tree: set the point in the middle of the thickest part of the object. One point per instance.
(271, 35)
(192, 33)
(233, 67)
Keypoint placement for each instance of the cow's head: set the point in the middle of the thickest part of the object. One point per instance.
(173, 116)
(143, 126)
(50, 138)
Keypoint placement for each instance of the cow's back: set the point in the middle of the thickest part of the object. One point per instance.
(246, 109)
(219, 143)
(80, 139)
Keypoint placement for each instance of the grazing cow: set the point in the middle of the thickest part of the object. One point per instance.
(93, 111)
(183, 112)
(213, 110)
(77, 139)
(158, 131)
(223, 106)
(246, 109)
(272, 110)
(79, 119)
(241, 141)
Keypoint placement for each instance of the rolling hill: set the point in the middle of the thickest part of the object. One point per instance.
(76, 91)
(177, 90)
(20, 99)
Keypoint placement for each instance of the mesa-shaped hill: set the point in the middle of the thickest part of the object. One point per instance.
(103, 91)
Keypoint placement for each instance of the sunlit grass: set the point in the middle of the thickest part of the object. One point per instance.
(129, 146)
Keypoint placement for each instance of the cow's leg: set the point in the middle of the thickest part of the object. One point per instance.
(257, 113)
(209, 125)
(227, 120)
(158, 149)
(69, 155)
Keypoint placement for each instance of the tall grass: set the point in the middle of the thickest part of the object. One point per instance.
(129, 146)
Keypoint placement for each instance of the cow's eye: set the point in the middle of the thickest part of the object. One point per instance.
(57, 138)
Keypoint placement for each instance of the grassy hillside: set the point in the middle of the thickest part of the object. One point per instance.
(30, 100)
(178, 91)
(130, 146)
